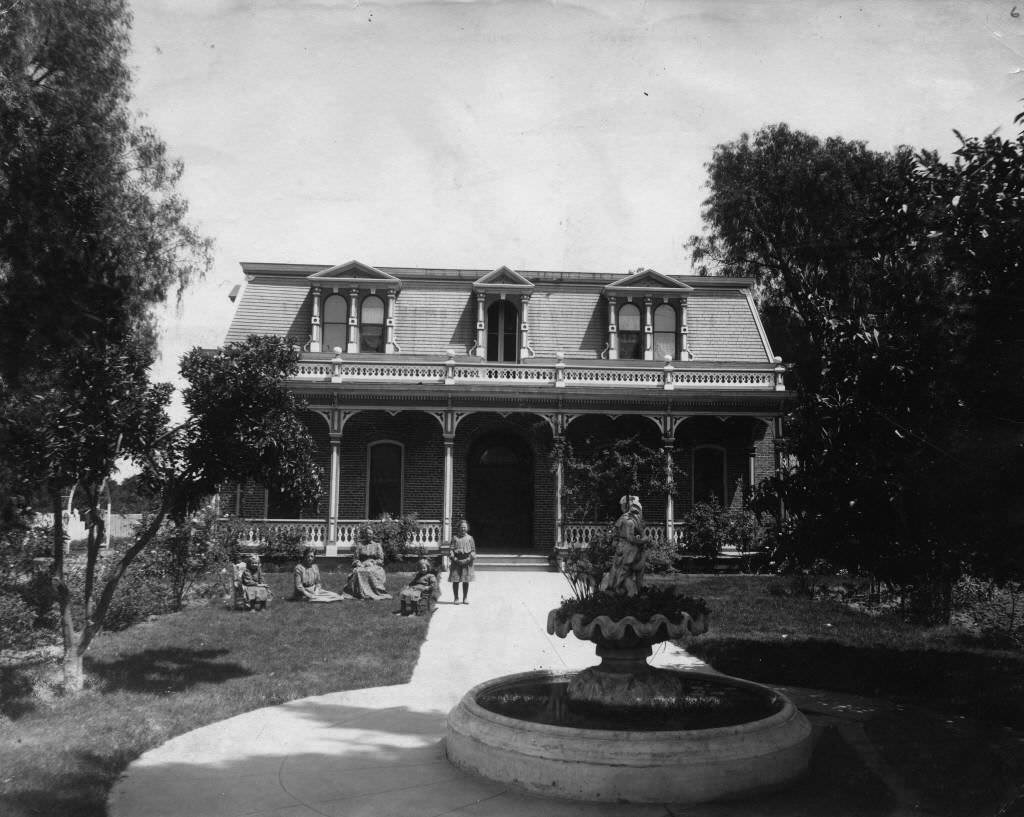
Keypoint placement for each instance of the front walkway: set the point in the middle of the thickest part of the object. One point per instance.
(372, 751)
(378, 752)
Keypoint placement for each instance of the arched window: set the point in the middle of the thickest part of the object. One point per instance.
(630, 347)
(709, 474)
(502, 332)
(335, 322)
(384, 484)
(664, 332)
(371, 325)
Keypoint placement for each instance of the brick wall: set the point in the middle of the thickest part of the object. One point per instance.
(423, 463)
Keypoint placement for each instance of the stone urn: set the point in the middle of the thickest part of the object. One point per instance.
(624, 679)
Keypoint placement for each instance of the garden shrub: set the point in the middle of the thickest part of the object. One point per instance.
(394, 535)
(17, 620)
(144, 590)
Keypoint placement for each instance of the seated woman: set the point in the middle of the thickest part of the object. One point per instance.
(367, 579)
(307, 580)
(422, 583)
(255, 591)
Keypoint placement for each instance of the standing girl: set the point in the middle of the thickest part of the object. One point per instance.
(462, 552)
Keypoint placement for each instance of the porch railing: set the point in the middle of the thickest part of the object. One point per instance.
(677, 374)
(314, 533)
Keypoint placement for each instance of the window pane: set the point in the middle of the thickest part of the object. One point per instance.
(709, 475)
(335, 309)
(664, 319)
(373, 310)
(502, 332)
(334, 335)
(629, 346)
(371, 338)
(664, 345)
(385, 486)
(629, 318)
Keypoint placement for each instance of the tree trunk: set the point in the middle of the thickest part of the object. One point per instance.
(74, 675)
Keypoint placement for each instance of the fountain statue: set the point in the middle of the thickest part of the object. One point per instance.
(625, 731)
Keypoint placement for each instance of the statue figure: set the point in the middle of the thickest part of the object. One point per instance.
(627, 571)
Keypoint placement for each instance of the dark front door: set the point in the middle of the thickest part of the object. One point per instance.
(499, 493)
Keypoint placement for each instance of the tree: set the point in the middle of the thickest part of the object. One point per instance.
(243, 424)
(860, 259)
(93, 234)
(597, 474)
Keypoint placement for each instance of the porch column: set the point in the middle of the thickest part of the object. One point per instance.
(559, 483)
(481, 327)
(335, 485)
(670, 511)
(315, 337)
(353, 321)
(751, 461)
(447, 487)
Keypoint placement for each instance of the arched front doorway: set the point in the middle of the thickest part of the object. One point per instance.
(499, 493)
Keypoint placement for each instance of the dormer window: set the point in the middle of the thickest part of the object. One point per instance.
(650, 323)
(630, 344)
(371, 325)
(503, 316)
(358, 309)
(335, 321)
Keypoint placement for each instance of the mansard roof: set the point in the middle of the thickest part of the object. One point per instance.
(503, 279)
(354, 273)
(648, 282)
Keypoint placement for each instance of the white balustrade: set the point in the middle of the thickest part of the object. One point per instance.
(681, 374)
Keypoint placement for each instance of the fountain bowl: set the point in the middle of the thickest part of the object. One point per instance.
(613, 765)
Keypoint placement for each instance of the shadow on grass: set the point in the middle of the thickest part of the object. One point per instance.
(989, 686)
(164, 670)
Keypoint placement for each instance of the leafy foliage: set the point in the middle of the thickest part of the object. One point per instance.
(598, 473)
(887, 279)
(393, 534)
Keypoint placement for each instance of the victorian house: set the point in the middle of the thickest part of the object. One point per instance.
(451, 393)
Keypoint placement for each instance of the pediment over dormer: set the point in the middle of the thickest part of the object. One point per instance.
(503, 279)
(354, 274)
(648, 282)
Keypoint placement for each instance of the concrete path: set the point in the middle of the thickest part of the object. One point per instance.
(374, 751)
(378, 752)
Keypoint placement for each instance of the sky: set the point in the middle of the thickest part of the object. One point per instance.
(529, 133)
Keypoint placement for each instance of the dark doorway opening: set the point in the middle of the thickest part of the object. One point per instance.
(499, 493)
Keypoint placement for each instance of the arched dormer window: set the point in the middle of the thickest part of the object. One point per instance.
(371, 325)
(335, 322)
(384, 480)
(502, 332)
(630, 337)
(664, 332)
(709, 474)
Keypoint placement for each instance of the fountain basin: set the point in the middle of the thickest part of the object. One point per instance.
(622, 765)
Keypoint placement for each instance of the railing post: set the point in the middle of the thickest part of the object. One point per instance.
(336, 363)
(780, 370)
(449, 368)
(668, 378)
(560, 370)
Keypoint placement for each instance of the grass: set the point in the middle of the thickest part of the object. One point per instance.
(797, 641)
(158, 679)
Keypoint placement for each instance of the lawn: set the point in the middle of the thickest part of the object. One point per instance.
(167, 676)
(796, 641)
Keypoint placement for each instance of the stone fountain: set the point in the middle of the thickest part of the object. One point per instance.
(624, 731)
